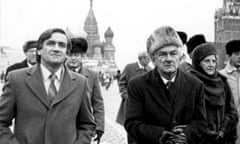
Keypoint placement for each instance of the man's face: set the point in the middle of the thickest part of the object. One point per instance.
(209, 64)
(235, 59)
(53, 52)
(31, 55)
(74, 60)
(144, 60)
(167, 59)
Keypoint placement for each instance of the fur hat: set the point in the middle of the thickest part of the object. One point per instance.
(202, 51)
(194, 41)
(29, 44)
(161, 37)
(232, 46)
(183, 36)
(79, 45)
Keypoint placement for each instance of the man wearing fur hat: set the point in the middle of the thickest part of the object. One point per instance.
(232, 72)
(29, 49)
(165, 105)
(74, 62)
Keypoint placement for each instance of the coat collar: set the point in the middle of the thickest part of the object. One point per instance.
(179, 90)
(35, 83)
(84, 71)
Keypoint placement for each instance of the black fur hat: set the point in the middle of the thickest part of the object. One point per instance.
(232, 46)
(79, 45)
(183, 36)
(194, 41)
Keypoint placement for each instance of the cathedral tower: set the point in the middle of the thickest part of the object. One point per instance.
(91, 28)
(227, 21)
(227, 27)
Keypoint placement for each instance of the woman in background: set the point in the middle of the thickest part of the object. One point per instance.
(221, 113)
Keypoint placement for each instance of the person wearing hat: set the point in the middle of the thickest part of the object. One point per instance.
(165, 105)
(75, 63)
(29, 49)
(222, 115)
(232, 72)
(191, 44)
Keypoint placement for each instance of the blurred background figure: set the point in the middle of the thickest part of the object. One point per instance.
(29, 49)
(191, 44)
(222, 115)
(75, 63)
(117, 76)
(183, 36)
(131, 70)
(232, 72)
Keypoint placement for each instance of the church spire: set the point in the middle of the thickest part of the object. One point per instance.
(91, 3)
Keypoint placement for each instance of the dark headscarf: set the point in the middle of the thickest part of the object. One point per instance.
(213, 85)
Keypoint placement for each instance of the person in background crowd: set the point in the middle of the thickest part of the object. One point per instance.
(131, 70)
(29, 49)
(183, 37)
(232, 72)
(191, 44)
(165, 105)
(75, 63)
(50, 104)
(222, 115)
(117, 76)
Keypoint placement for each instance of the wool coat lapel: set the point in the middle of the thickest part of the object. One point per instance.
(35, 82)
(66, 87)
(158, 90)
(180, 93)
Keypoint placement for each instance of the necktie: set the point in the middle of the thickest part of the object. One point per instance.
(52, 90)
(168, 84)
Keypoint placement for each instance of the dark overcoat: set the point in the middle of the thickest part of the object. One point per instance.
(131, 70)
(66, 120)
(149, 111)
(95, 97)
(19, 65)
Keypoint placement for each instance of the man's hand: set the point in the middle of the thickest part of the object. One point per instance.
(180, 137)
(98, 136)
(220, 135)
(166, 135)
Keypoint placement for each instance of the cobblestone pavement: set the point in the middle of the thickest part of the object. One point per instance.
(114, 133)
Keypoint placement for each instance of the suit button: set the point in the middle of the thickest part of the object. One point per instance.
(174, 121)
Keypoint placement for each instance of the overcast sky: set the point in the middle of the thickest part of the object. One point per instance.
(131, 20)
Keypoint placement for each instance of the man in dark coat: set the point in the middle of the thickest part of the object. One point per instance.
(75, 63)
(165, 105)
(49, 102)
(131, 70)
(29, 49)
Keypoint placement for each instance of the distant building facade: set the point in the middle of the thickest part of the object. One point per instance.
(227, 26)
(100, 55)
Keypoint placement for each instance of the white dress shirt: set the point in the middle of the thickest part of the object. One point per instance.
(46, 80)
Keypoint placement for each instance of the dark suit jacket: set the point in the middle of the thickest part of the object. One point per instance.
(22, 64)
(149, 111)
(130, 71)
(95, 96)
(67, 120)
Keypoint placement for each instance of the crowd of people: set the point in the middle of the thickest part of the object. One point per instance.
(55, 99)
